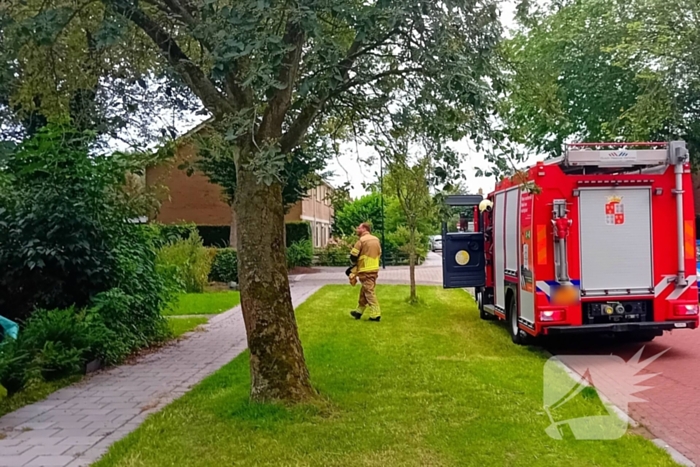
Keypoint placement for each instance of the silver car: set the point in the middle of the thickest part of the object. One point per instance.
(436, 243)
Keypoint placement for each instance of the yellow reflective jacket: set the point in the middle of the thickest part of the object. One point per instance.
(368, 250)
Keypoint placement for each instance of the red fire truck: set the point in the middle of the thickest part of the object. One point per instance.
(600, 240)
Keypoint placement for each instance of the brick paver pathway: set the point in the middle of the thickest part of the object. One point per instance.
(428, 273)
(672, 408)
(75, 426)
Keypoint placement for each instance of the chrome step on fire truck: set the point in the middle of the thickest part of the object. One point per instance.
(600, 240)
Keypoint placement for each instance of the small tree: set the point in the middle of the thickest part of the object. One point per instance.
(409, 183)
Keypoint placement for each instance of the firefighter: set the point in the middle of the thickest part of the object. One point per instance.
(365, 258)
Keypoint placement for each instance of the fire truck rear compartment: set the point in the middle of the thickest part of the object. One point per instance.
(616, 240)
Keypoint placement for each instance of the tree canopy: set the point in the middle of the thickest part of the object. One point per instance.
(604, 70)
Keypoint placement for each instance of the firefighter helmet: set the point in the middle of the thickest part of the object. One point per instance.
(485, 205)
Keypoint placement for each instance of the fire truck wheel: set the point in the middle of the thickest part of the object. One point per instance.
(516, 334)
(483, 314)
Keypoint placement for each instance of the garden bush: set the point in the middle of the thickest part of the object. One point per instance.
(66, 246)
(297, 232)
(334, 255)
(300, 254)
(187, 263)
(217, 236)
(224, 267)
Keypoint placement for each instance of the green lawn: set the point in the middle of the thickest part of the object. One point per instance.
(208, 303)
(429, 385)
(179, 326)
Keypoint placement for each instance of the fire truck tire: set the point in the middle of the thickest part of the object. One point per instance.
(483, 314)
(518, 336)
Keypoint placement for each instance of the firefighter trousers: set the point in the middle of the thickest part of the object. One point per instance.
(368, 299)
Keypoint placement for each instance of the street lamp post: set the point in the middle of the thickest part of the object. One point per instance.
(381, 195)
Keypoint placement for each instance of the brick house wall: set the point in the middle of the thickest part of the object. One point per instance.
(195, 199)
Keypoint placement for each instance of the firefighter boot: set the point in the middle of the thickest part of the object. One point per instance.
(357, 314)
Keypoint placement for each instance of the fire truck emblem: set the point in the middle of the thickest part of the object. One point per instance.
(614, 211)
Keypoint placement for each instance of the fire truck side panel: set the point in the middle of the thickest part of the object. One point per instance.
(526, 271)
(499, 210)
(511, 234)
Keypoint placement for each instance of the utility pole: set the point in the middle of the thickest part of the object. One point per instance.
(381, 195)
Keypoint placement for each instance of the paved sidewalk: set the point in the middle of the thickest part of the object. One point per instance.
(428, 273)
(75, 426)
(672, 407)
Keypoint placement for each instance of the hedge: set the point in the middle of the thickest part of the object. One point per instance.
(215, 235)
(298, 232)
(218, 236)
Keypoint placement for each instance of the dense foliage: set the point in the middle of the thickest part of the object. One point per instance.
(297, 232)
(66, 245)
(367, 208)
(604, 70)
(300, 254)
(64, 230)
(224, 266)
(187, 262)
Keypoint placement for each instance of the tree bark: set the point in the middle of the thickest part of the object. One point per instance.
(277, 366)
(233, 235)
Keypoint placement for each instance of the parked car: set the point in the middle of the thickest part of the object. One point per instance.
(436, 243)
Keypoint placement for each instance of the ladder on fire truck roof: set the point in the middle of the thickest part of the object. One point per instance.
(592, 158)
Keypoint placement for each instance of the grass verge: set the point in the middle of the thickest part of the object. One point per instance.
(431, 385)
(208, 303)
(179, 326)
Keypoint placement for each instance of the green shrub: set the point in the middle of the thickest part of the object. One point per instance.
(365, 209)
(224, 268)
(60, 217)
(58, 341)
(297, 232)
(187, 262)
(334, 255)
(397, 249)
(217, 236)
(15, 368)
(300, 254)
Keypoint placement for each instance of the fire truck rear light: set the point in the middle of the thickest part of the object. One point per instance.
(686, 310)
(552, 315)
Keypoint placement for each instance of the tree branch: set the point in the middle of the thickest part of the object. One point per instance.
(191, 73)
(276, 110)
(301, 124)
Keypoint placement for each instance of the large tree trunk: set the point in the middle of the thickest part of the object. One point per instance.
(277, 366)
(233, 236)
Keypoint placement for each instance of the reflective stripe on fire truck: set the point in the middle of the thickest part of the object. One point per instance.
(667, 281)
(546, 286)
